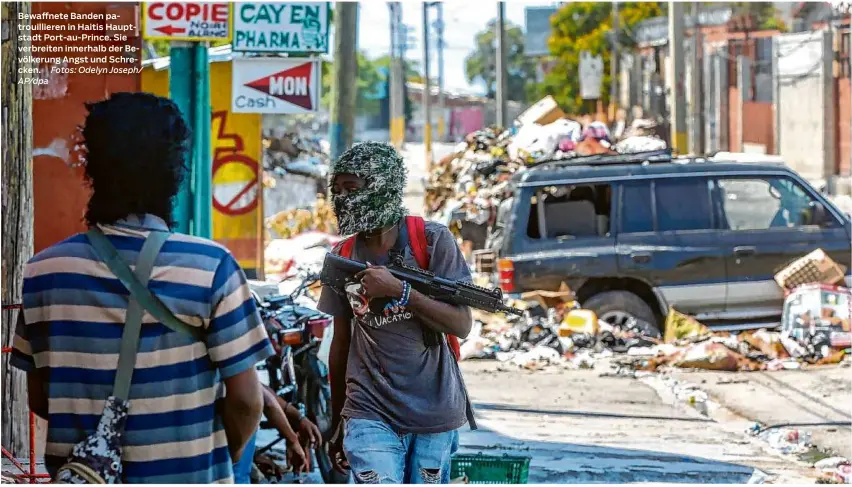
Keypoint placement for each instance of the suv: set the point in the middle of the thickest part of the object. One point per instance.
(634, 234)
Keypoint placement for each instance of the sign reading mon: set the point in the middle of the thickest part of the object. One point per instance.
(281, 27)
(275, 85)
(186, 21)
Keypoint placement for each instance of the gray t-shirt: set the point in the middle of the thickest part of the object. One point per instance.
(392, 376)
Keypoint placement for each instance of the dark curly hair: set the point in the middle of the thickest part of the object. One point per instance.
(135, 149)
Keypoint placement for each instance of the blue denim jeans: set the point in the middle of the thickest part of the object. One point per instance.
(242, 469)
(380, 455)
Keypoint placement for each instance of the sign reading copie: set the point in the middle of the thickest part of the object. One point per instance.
(187, 21)
(275, 85)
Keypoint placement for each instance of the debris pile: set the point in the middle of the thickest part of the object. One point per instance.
(296, 154)
(319, 217)
(555, 331)
(467, 187)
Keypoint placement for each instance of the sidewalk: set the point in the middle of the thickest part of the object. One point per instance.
(792, 397)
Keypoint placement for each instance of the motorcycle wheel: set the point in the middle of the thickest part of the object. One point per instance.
(318, 404)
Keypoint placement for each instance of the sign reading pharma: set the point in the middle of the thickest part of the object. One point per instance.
(187, 21)
(292, 27)
(275, 85)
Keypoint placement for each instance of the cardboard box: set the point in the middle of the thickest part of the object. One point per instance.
(816, 267)
(543, 112)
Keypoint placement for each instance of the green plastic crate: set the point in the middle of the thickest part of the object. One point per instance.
(487, 469)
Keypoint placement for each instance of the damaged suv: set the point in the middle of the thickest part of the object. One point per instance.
(633, 234)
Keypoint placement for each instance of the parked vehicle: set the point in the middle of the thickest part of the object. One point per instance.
(633, 234)
(297, 373)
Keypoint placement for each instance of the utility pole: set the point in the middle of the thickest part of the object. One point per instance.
(696, 104)
(345, 74)
(500, 35)
(613, 64)
(678, 114)
(392, 75)
(439, 28)
(427, 91)
(16, 188)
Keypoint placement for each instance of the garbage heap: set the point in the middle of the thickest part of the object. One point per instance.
(296, 154)
(468, 185)
(556, 331)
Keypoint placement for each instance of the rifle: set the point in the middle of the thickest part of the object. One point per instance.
(337, 271)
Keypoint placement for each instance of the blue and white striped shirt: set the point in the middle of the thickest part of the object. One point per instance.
(74, 310)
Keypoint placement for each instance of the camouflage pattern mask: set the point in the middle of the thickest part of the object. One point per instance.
(379, 203)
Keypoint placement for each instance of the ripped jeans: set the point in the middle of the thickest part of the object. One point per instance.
(380, 455)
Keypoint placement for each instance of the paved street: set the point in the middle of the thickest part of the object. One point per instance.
(814, 400)
(579, 427)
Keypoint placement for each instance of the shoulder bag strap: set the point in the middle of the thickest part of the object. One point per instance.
(133, 318)
(149, 302)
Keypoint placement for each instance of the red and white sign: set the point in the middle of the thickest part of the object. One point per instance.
(187, 21)
(275, 85)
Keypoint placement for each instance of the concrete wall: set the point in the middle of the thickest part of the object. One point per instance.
(758, 125)
(290, 191)
(60, 194)
(843, 89)
(734, 119)
(805, 111)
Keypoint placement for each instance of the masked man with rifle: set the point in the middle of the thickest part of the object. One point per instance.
(398, 397)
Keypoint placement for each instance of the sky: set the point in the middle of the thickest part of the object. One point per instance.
(462, 19)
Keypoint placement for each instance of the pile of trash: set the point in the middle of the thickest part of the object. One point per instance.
(296, 154)
(318, 217)
(299, 238)
(468, 185)
(557, 331)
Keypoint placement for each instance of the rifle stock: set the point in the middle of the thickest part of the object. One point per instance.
(337, 271)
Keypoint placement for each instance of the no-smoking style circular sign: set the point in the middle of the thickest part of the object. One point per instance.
(235, 184)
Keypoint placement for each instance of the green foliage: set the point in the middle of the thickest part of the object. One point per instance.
(586, 26)
(368, 81)
(481, 64)
(765, 14)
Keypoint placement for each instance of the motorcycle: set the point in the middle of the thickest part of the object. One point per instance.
(298, 371)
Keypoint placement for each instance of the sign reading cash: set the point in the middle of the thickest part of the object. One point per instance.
(292, 27)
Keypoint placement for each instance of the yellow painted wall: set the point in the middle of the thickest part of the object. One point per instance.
(237, 151)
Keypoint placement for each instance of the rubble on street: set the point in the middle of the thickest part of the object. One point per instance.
(557, 332)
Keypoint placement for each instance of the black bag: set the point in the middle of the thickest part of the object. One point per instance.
(97, 459)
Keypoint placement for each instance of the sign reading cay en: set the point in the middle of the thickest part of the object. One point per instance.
(292, 27)
(186, 21)
(275, 85)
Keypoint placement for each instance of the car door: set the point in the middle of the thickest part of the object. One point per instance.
(767, 223)
(667, 238)
(560, 240)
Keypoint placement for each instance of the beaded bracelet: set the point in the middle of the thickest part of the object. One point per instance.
(406, 293)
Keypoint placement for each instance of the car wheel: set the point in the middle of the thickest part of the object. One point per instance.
(617, 307)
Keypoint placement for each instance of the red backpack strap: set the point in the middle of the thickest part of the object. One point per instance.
(346, 247)
(417, 241)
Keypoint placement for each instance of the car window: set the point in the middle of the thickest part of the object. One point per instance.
(636, 213)
(570, 211)
(683, 204)
(764, 203)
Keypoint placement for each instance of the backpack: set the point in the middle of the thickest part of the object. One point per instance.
(97, 459)
(417, 242)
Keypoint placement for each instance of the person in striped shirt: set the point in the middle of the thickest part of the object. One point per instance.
(193, 404)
